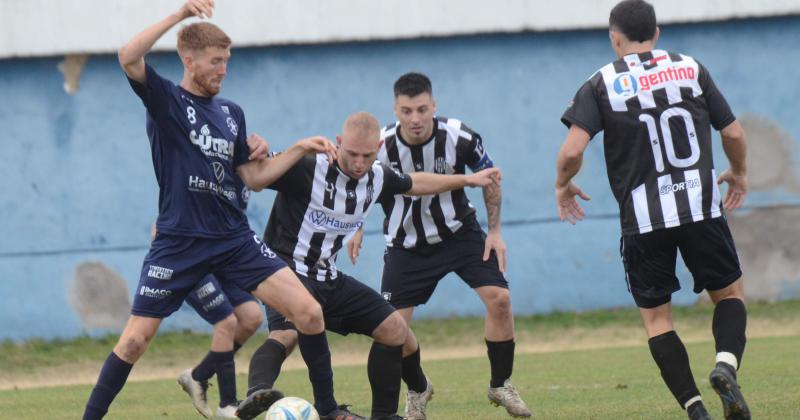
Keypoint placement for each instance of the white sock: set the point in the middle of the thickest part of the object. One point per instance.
(729, 358)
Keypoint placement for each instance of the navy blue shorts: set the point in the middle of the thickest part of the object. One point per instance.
(176, 264)
(707, 249)
(410, 275)
(214, 301)
(348, 306)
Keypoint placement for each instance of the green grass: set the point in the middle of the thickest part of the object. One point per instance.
(173, 348)
(620, 383)
(611, 383)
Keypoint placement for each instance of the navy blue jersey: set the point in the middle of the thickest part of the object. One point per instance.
(196, 145)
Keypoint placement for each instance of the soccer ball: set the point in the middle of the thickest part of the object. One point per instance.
(292, 408)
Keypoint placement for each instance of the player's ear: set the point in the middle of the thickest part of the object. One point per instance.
(655, 36)
(380, 143)
(339, 140)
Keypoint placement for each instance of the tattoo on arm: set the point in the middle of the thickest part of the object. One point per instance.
(493, 197)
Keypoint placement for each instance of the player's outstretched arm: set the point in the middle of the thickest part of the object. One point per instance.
(131, 55)
(258, 174)
(568, 163)
(425, 183)
(735, 147)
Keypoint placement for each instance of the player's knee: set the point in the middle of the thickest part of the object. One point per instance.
(250, 322)
(499, 303)
(227, 326)
(286, 337)
(132, 346)
(309, 320)
(392, 331)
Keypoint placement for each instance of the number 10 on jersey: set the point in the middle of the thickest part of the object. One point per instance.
(669, 146)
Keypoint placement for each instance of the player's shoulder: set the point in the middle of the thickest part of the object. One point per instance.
(227, 106)
(389, 130)
(454, 129)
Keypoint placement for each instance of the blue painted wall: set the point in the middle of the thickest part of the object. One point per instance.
(78, 184)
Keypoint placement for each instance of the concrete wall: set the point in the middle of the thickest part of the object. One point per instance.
(46, 27)
(79, 192)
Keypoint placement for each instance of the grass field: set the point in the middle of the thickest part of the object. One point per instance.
(588, 378)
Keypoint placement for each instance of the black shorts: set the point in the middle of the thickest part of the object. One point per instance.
(348, 306)
(707, 249)
(410, 275)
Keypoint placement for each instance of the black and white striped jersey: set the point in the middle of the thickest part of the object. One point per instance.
(656, 109)
(419, 221)
(318, 208)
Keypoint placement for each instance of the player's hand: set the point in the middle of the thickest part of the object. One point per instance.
(485, 178)
(319, 144)
(568, 207)
(354, 246)
(494, 241)
(737, 188)
(259, 148)
(200, 8)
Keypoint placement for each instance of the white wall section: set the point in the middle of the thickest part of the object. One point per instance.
(48, 27)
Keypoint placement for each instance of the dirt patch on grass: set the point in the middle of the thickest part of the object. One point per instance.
(85, 373)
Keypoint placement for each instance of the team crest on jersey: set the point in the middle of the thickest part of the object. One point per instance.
(232, 126)
(219, 171)
(440, 166)
(626, 85)
(225, 109)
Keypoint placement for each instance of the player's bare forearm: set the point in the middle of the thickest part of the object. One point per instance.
(493, 198)
(259, 174)
(131, 55)
(424, 183)
(570, 156)
(735, 147)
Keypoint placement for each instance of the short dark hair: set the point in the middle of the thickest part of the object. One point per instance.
(636, 19)
(412, 84)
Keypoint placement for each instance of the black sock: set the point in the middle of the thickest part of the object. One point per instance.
(730, 321)
(412, 373)
(501, 360)
(670, 355)
(208, 366)
(317, 355)
(226, 378)
(385, 368)
(265, 366)
(112, 378)
(236, 347)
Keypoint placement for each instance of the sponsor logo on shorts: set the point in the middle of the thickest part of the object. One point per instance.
(680, 186)
(214, 303)
(387, 296)
(154, 293)
(265, 251)
(206, 290)
(159, 273)
(324, 221)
